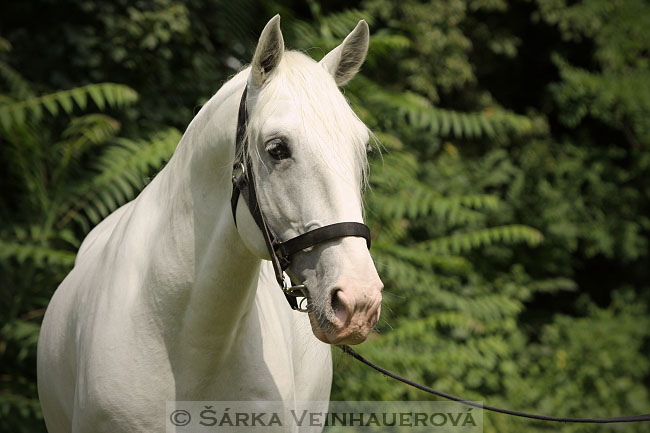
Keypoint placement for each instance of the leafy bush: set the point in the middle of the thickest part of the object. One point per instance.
(509, 207)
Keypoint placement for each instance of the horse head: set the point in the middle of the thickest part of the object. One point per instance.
(308, 153)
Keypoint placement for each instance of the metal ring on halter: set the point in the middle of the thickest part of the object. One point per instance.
(235, 177)
(303, 305)
(297, 291)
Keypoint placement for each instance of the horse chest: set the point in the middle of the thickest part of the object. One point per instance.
(274, 350)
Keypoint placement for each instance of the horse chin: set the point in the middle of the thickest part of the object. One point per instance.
(354, 336)
(317, 330)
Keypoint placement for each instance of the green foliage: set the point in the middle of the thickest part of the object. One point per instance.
(119, 174)
(113, 95)
(589, 352)
(63, 174)
(457, 312)
(419, 114)
(28, 250)
(509, 206)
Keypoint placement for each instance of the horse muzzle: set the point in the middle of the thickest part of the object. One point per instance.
(349, 316)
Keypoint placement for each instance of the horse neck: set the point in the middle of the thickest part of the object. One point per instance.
(204, 278)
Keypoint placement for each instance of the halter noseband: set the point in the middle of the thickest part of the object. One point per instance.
(243, 183)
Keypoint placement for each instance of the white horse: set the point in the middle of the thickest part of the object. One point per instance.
(169, 300)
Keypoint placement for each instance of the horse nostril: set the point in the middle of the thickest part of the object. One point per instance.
(340, 306)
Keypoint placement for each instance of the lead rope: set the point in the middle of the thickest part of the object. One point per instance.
(631, 418)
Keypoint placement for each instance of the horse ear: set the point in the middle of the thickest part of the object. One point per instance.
(344, 61)
(268, 53)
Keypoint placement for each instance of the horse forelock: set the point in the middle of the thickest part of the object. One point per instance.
(335, 135)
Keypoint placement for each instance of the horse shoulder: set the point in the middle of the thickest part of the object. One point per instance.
(59, 341)
(98, 236)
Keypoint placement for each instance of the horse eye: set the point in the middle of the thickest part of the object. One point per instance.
(278, 150)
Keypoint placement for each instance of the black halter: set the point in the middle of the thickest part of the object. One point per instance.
(243, 183)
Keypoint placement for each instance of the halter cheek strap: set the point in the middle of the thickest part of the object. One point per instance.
(243, 184)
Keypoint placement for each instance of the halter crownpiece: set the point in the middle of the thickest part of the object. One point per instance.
(243, 184)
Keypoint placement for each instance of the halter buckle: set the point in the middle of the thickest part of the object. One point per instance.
(237, 172)
(297, 291)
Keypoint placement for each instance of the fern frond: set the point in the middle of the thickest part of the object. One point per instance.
(93, 128)
(102, 94)
(413, 329)
(418, 112)
(421, 201)
(122, 172)
(35, 252)
(463, 242)
(397, 169)
(425, 259)
(81, 134)
(392, 268)
(444, 122)
(329, 32)
(339, 24)
(305, 34)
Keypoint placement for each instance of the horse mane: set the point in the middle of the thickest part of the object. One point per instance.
(327, 118)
